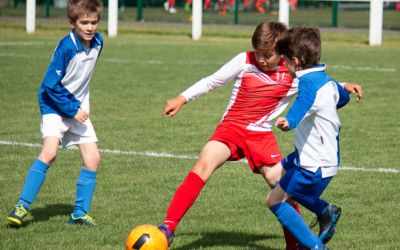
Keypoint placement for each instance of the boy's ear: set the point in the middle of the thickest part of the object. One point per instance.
(71, 22)
(296, 61)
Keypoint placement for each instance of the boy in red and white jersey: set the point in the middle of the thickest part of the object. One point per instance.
(262, 90)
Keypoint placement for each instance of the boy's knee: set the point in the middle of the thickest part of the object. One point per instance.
(271, 177)
(270, 201)
(48, 157)
(93, 161)
(204, 168)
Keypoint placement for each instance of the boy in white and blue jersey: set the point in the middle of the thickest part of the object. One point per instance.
(313, 116)
(64, 104)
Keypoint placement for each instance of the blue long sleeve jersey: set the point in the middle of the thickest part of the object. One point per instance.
(65, 87)
(315, 121)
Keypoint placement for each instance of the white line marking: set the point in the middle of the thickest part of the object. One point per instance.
(189, 157)
(158, 62)
(346, 67)
(32, 43)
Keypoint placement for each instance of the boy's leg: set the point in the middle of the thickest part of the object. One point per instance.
(213, 155)
(34, 180)
(86, 184)
(290, 219)
(327, 214)
(272, 175)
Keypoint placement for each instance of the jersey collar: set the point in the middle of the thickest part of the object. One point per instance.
(317, 68)
(78, 45)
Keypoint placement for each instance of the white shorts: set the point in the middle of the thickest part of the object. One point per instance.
(70, 131)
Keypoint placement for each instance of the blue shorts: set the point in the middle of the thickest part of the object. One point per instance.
(303, 185)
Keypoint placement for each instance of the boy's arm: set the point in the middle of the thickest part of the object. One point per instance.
(344, 96)
(174, 105)
(301, 106)
(353, 88)
(226, 73)
(62, 99)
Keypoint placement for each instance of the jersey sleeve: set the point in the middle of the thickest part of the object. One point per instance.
(224, 75)
(344, 96)
(63, 100)
(303, 105)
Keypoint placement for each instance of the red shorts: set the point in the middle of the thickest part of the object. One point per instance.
(259, 148)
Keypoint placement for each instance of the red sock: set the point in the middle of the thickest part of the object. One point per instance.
(183, 199)
(291, 241)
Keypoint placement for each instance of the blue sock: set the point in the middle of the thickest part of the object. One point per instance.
(293, 222)
(33, 183)
(84, 192)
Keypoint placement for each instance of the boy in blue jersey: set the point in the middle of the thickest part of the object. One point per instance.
(64, 105)
(313, 116)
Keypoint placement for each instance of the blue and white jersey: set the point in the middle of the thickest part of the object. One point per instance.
(65, 87)
(314, 117)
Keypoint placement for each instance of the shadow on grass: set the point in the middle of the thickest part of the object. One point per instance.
(45, 213)
(232, 239)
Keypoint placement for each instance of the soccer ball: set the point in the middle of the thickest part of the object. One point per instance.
(146, 237)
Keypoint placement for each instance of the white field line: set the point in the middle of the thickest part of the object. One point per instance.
(158, 62)
(190, 157)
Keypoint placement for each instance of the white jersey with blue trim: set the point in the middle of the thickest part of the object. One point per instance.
(315, 121)
(65, 87)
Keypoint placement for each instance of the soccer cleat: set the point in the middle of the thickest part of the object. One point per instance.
(327, 222)
(16, 217)
(165, 230)
(85, 220)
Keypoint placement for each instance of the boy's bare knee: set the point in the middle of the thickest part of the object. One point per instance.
(204, 169)
(269, 201)
(272, 178)
(48, 157)
(92, 161)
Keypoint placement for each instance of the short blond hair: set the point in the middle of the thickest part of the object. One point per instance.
(77, 8)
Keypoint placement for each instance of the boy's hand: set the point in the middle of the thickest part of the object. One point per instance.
(282, 123)
(173, 106)
(354, 88)
(81, 116)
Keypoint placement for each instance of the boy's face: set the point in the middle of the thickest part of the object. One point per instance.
(291, 65)
(85, 27)
(267, 59)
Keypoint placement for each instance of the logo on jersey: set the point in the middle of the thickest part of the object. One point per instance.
(59, 72)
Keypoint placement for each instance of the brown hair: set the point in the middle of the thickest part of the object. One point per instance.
(266, 34)
(303, 43)
(77, 8)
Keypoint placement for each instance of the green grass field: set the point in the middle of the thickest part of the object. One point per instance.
(136, 74)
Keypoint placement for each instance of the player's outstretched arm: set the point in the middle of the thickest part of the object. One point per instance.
(172, 106)
(354, 88)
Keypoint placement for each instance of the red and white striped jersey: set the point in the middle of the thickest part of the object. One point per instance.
(257, 97)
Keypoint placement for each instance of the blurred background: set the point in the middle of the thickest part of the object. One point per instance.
(326, 14)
